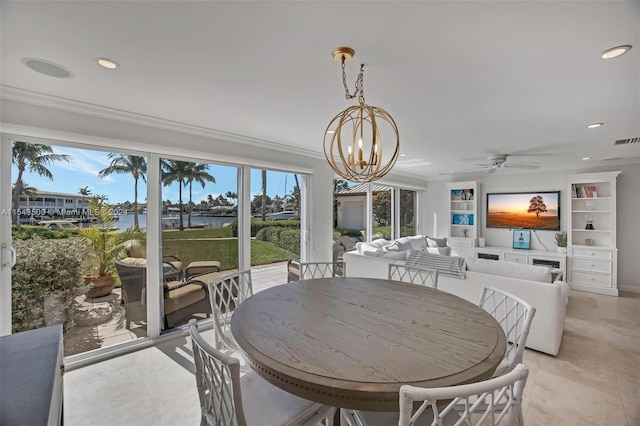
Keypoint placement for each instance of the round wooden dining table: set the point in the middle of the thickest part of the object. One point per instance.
(352, 342)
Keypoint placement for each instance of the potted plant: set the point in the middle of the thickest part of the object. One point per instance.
(105, 245)
(561, 241)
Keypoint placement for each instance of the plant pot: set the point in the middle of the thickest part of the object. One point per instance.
(102, 285)
(562, 249)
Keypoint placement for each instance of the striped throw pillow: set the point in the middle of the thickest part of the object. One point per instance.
(452, 266)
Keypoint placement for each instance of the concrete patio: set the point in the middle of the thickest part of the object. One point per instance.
(83, 338)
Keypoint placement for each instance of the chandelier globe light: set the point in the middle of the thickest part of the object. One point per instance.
(353, 139)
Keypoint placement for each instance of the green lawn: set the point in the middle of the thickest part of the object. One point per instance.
(224, 251)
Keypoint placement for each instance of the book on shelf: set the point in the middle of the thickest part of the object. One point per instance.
(590, 191)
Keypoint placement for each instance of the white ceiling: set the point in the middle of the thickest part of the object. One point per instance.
(463, 80)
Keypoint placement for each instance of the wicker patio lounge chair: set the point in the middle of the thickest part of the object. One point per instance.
(182, 299)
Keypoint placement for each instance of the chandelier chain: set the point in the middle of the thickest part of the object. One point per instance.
(359, 92)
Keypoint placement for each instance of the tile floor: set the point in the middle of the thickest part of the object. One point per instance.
(594, 380)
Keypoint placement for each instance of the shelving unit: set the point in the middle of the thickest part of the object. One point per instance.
(592, 249)
(463, 216)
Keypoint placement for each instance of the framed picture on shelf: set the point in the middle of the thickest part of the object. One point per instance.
(462, 219)
(521, 239)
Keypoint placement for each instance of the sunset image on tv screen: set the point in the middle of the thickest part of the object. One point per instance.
(532, 210)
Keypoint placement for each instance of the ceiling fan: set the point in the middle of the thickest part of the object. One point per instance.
(499, 161)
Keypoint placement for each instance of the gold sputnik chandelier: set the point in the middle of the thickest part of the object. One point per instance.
(353, 138)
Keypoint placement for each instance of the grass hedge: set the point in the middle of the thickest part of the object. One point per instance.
(257, 225)
(42, 267)
(288, 239)
(27, 232)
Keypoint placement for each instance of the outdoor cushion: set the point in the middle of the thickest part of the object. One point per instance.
(182, 297)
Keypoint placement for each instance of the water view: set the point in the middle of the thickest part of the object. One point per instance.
(171, 221)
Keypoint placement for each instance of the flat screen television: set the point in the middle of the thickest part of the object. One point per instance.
(527, 210)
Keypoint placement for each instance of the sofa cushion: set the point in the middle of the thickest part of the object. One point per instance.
(367, 249)
(451, 266)
(436, 242)
(510, 269)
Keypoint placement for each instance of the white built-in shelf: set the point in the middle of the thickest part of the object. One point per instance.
(592, 253)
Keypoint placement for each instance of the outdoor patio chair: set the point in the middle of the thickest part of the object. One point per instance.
(414, 275)
(226, 293)
(182, 299)
(171, 265)
(496, 401)
(228, 399)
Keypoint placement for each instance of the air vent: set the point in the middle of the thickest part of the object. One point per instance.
(626, 141)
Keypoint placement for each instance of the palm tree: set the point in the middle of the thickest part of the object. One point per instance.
(277, 203)
(263, 214)
(231, 195)
(35, 157)
(85, 192)
(128, 164)
(196, 172)
(338, 184)
(175, 171)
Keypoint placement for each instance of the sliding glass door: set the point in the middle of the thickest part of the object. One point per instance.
(76, 214)
(199, 224)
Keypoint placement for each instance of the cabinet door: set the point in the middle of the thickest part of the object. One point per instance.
(513, 257)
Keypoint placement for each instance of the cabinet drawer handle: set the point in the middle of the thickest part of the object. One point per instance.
(592, 265)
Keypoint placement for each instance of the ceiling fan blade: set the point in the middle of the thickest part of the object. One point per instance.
(530, 165)
(492, 170)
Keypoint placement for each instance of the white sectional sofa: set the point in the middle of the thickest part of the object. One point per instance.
(530, 283)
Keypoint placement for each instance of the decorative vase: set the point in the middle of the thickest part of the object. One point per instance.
(102, 285)
(562, 249)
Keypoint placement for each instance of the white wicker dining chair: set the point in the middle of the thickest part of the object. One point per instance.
(226, 293)
(311, 270)
(413, 274)
(496, 402)
(226, 399)
(515, 316)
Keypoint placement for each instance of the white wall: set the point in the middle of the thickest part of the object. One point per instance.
(435, 212)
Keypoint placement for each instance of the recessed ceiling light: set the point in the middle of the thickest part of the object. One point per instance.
(614, 52)
(46, 67)
(586, 158)
(107, 63)
(594, 125)
(402, 154)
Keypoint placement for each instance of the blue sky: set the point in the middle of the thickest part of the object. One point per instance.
(85, 164)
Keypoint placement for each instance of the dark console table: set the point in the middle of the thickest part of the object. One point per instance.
(31, 372)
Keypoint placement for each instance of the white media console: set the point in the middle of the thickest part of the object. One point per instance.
(552, 259)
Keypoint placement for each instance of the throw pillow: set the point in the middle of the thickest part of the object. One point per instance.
(445, 251)
(403, 244)
(436, 242)
(452, 266)
(417, 242)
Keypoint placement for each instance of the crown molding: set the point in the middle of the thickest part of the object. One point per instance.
(73, 106)
(69, 105)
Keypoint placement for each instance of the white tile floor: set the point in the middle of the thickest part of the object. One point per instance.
(595, 379)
